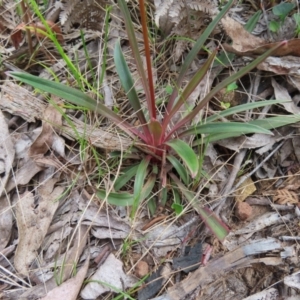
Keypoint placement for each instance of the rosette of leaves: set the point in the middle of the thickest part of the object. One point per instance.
(168, 164)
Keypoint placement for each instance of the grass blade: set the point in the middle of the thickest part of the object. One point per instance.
(275, 122)
(186, 153)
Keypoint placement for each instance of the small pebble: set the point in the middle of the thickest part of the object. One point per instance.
(243, 211)
(141, 269)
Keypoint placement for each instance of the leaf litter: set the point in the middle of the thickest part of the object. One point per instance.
(48, 208)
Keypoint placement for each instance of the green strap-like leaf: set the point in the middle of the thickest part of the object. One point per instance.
(181, 170)
(124, 178)
(222, 85)
(136, 53)
(225, 127)
(186, 153)
(268, 123)
(241, 108)
(139, 183)
(275, 122)
(119, 199)
(219, 229)
(190, 87)
(77, 97)
(128, 85)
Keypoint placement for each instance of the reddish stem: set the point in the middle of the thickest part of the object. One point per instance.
(152, 108)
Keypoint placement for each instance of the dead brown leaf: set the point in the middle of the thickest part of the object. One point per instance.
(33, 222)
(286, 65)
(42, 144)
(246, 44)
(282, 93)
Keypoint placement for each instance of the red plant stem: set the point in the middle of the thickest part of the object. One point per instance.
(152, 108)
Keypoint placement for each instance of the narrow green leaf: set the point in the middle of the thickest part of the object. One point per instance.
(268, 123)
(222, 85)
(136, 53)
(186, 153)
(124, 178)
(195, 50)
(275, 122)
(119, 199)
(128, 85)
(127, 199)
(148, 187)
(179, 168)
(77, 97)
(151, 206)
(225, 127)
(251, 23)
(218, 228)
(139, 183)
(190, 87)
(164, 196)
(241, 108)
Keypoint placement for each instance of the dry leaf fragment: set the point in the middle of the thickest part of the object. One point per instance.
(281, 93)
(7, 153)
(33, 223)
(242, 40)
(73, 255)
(244, 43)
(287, 65)
(246, 189)
(24, 175)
